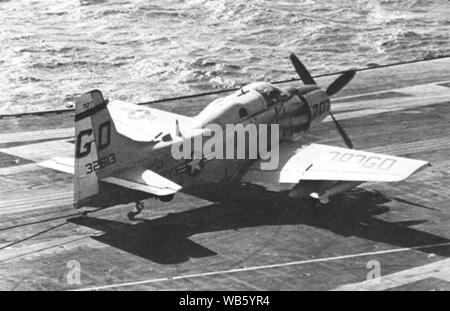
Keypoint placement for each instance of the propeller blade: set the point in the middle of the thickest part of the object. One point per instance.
(340, 82)
(301, 70)
(342, 132)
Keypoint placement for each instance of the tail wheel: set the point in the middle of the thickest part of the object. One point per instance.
(131, 215)
(136, 211)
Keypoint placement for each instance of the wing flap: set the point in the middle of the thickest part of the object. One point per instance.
(144, 180)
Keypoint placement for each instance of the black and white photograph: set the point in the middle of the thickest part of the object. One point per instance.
(241, 147)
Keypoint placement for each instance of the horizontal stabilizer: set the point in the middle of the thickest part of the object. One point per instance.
(145, 124)
(144, 180)
(61, 164)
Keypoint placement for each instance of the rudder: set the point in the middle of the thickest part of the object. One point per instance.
(93, 127)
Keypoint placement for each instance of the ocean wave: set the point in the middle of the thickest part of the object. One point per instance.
(140, 50)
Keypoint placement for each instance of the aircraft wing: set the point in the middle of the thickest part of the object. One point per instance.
(144, 180)
(322, 162)
(145, 124)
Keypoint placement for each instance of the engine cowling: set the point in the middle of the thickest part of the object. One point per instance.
(318, 103)
(308, 105)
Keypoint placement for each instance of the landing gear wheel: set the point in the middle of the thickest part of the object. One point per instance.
(166, 198)
(136, 211)
(131, 215)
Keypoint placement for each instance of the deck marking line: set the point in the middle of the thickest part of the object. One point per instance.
(292, 263)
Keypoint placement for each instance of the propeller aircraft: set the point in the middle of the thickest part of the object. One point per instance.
(124, 151)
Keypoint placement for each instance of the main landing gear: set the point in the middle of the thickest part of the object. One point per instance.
(136, 211)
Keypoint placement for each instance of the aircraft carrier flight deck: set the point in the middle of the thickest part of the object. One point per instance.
(245, 237)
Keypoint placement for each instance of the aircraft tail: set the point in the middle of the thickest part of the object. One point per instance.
(95, 152)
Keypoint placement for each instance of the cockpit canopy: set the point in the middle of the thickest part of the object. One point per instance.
(271, 93)
(244, 103)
